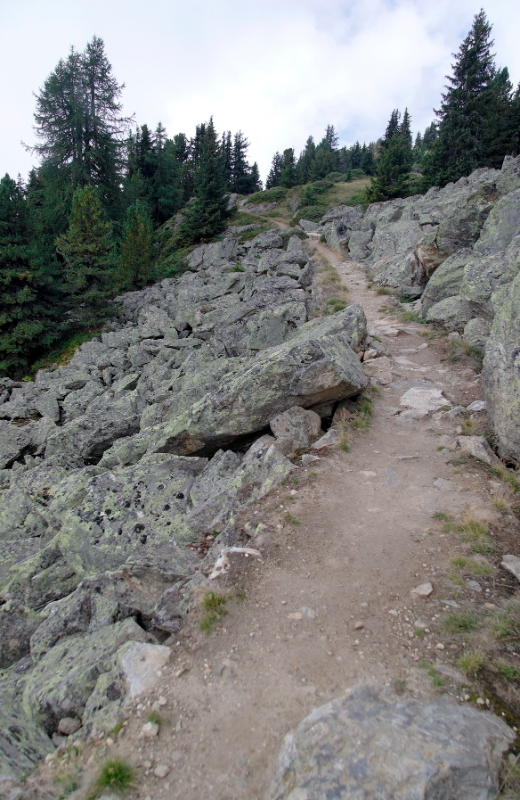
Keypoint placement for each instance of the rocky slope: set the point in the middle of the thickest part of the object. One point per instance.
(123, 472)
(458, 250)
(123, 467)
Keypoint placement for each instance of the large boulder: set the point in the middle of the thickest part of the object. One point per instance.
(312, 368)
(62, 682)
(452, 313)
(446, 281)
(501, 374)
(367, 744)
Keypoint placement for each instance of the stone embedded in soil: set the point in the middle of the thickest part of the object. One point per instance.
(512, 564)
(161, 771)
(423, 590)
(150, 730)
(439, 750)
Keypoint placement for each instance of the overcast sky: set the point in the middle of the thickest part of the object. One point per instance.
(277, 69)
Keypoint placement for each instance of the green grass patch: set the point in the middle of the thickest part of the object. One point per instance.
(432, 672)
(116, 775)
(411, 316)
(62, 354)
(510, 672)
(507, 622)
(458, 622)
(267, 196)
(471, 662)
(288, 517)
(237, 268)
(508, 477)
(214, 608)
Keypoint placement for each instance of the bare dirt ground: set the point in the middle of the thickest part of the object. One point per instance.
(345, 542)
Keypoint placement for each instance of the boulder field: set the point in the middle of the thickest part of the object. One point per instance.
(117, 466)
(123, 472)
(456, 251)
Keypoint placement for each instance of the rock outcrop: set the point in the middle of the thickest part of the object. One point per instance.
(458, 250)
(151, 439)
(368, 744)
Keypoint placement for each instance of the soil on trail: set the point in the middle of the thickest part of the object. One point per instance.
(345, 542)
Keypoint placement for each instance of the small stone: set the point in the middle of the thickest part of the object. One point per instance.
(180, 671)
(162, 701)
(480, 701)
(147, 764)
(162, 770)
(296, 615)
(284, 602)
(109, 742)
(423, 590)
(150, 730)
(68, 725)
(359, 626)
(364, 605)
(440, 646)
(489, 605)
(419, 625)
(393, 612)
(474, 586)
(307, 612)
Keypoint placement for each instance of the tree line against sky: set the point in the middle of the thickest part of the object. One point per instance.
(84, 226)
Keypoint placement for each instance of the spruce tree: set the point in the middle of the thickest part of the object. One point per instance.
(136, 248)
(288, 169)
(470, 112)
(87, 249)
(394, 162)
(207, 213)
(273, 178)
(26, 324)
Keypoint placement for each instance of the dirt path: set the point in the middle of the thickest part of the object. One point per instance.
(329, 604)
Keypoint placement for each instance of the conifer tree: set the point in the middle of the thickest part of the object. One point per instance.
(288, 169)
(25, 316)
(79, 123)
(207, 213)
(395, 161)
(136, 248)
(88, 252)
(273, 178)
(469, 110)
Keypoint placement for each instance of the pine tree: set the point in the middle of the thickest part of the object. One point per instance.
(468, 113)
(136, 248)
(25, 316)
(207, 213)
(88, 252)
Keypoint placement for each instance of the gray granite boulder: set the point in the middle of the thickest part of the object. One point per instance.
(501, 374)
(369, 745)
(313, 367)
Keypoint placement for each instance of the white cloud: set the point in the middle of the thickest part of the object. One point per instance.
(277, 69)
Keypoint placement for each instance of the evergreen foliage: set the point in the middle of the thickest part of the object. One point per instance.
(79, 123)
(206, 215)
(25, 315)
(395, 160)
(476, 117)
(100, 212)
(136, 248)
(87, 249)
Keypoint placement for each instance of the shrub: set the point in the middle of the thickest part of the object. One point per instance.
(267, 196)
